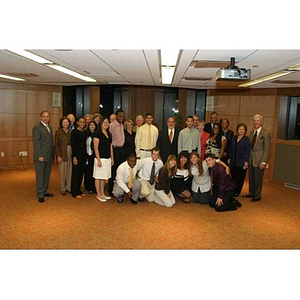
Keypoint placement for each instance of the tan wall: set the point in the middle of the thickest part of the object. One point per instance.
(20, 107)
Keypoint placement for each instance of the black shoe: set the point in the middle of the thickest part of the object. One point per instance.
(236, 195)
(120, 200)
(91, 192)
(133, 201)
(48, 195)
(248, 196)
(41, 199)
(238, 203)
(143, 200)
(255, 199)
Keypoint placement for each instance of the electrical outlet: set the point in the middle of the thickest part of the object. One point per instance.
(23, 153)
(2, 154)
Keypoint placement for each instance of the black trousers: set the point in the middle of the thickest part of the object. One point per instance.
(119, 157)
(238, 175)
(229, 203)
(89, 180)
(77, 176)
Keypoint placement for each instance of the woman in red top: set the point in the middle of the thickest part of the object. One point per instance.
(203, 137)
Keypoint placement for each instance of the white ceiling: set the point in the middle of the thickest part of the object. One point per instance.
(141, 67)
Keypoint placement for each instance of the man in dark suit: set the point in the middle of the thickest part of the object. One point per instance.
(213, 119)
(167, 141)
(42, 136)
(259, 154)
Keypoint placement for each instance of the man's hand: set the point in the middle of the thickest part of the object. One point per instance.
(219, 202)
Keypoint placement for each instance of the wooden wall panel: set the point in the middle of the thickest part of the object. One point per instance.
(12, 101)
(13, 125)
(264, 105)
(20, 106)
(227, 106)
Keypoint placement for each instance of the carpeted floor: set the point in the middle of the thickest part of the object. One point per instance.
(63, 222)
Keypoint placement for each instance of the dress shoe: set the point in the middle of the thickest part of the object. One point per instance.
(41, 199)
(186, 200)
(236, 195)
(255, 199)
(133, 201)
(142, 200)
(107, 197)
(247, 196)
(101, 199)
(91, 192)
(120, 200)
(64, 193)
(48, 195)
(238, 203)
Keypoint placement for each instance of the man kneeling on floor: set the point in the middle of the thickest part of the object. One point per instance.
(126, 181)
(222, 187)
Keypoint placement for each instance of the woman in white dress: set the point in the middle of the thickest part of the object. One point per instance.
(104, 158)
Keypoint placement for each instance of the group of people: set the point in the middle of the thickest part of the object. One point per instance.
(205, 162)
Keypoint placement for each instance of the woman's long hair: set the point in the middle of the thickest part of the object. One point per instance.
(171, 170)
(199, 164)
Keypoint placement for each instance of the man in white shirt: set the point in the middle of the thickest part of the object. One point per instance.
(189, 137)
(146, 138)
(149, 169)
(126, 181)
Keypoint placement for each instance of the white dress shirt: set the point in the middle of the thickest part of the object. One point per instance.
(146, 166)
(123, 174)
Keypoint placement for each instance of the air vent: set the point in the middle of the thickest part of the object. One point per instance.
(285, 82)
(197, 78)
(208, 64)
(22, 75)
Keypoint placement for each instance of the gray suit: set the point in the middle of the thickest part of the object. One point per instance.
(258, 154)
(43, 147)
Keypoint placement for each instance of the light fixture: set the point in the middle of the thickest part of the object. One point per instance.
(294, 68)
(72, 73)
(31, 56)
(168, 62)
(167, 74)
(265, 78)
(11, 78)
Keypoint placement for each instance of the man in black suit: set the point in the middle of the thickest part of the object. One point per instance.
(167, 141)
(214, 118)
(42, 136)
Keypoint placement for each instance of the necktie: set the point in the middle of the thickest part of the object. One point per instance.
(254, 139)
(152, 174)
(190, 142)
(130, 179)
(171, 135)
(48, 128)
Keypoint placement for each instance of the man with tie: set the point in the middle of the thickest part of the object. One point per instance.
(214, 118)
(148, 171)
(167, 141)
(42, 136)
(126, 181)
(189, 137)
(259, 154)
(146, 138)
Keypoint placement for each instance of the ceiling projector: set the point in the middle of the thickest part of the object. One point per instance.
(233, 72)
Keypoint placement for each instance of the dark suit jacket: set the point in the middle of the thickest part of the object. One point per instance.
(208, 127)
(165, 146)
(42, 142)
(239, 152)
(261, 150)
(228, 135)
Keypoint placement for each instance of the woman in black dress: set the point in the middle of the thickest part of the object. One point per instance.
(78, 144)
(89, 181)
(129, 145)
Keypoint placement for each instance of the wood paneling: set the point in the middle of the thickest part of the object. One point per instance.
(264, 105)
(20, 110)
(227, 105)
